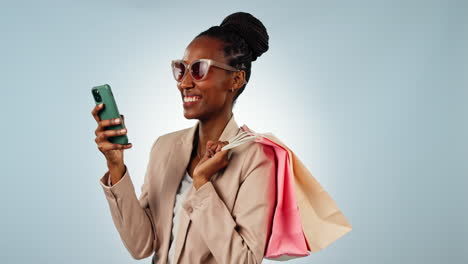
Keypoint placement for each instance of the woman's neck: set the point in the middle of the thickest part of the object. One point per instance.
(211, 130)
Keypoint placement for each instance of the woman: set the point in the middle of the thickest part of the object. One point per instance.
(197, 205)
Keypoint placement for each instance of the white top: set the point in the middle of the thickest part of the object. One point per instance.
(184, 188)
(182, 191)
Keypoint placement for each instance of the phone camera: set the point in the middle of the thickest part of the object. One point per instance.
(97, 96)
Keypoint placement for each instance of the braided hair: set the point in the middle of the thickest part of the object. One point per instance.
(245, 39)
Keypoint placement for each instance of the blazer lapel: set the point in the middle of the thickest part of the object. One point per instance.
(184, 149)
(177, 165)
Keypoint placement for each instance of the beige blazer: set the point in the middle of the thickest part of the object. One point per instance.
(227, 220)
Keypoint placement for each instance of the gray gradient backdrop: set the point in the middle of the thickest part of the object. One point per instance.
(372, 96)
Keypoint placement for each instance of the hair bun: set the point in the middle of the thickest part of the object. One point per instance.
(249, 28)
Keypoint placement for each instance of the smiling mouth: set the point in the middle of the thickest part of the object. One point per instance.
(190, 99)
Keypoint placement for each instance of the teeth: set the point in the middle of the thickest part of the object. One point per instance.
(191, 99)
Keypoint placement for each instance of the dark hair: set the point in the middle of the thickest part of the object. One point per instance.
(245, 39)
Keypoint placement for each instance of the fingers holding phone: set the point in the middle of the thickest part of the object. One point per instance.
(111, 133)
(112, 151)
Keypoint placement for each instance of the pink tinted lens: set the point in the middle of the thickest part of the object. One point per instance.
(178, 70)
(199, 70)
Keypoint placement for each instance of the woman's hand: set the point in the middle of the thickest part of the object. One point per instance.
(212, 161)
(112, 152)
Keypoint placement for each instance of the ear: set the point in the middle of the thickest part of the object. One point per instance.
(239, 79)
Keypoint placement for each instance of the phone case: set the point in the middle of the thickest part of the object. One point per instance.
(103, 94)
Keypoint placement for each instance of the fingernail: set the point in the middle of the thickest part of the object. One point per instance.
(117, 120)
(122, 130)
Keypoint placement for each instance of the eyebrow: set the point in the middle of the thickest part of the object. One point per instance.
(196, 59)
(187, 61)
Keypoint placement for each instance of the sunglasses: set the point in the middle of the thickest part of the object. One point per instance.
(198, 69)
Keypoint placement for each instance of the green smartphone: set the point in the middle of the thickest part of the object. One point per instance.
(103, 94)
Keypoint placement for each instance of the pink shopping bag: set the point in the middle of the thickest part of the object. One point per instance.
(287, 239)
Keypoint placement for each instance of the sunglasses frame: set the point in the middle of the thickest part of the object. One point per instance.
(210, 63)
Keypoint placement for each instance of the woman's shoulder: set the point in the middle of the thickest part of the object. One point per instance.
(254, 155)
(254, 150)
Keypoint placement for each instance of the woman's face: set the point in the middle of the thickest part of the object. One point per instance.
(214, 95)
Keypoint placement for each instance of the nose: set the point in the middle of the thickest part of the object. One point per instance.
(186, 81)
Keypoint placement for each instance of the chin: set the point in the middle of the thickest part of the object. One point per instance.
(189, 115)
